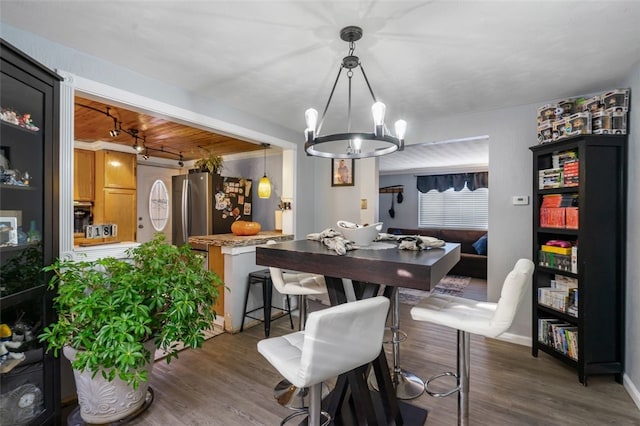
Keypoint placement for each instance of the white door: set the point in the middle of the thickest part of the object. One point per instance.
(147, 175)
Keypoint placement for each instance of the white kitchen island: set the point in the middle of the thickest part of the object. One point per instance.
(233, 258)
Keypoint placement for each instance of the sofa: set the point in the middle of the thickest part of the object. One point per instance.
(471, 263)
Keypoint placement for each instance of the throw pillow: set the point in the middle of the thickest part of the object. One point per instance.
(481, 245)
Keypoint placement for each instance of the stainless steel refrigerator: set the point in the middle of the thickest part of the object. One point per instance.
(205, 204)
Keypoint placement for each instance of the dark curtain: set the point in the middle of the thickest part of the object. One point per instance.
(456, 181)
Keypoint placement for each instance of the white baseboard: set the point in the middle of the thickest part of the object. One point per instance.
(518, 339)
(632, 390)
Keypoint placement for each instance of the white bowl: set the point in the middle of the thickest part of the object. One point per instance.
(360, 235)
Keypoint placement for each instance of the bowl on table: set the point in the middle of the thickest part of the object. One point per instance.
(361, 235)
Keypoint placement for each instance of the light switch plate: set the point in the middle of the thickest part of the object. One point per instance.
(520, 200)
(363, 204)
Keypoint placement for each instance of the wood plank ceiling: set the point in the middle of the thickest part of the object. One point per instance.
(161, 138)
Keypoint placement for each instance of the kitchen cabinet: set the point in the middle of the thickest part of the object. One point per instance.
(115, 169)
(83, 175)
(29, 157)
(117, 206)
(115, 193)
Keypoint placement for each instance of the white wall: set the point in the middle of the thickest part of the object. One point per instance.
(632, 335)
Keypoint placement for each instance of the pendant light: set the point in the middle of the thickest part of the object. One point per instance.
(264, 186)
(351, 144)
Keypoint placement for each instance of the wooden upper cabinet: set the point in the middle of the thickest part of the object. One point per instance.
(83, 175)
(115, 169)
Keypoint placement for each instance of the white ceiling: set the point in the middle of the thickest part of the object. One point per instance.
(423, 59)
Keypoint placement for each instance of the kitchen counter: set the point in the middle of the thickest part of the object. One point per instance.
(233, 257)
(230, 240)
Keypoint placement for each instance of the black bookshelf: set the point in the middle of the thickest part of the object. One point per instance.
(599, 264)
(29, 132)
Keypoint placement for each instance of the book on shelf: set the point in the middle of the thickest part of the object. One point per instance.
(555, 249)
(554, 261)
(561, 295)
(561, 336)
(559, 159)
(570, 173)
(571, 217)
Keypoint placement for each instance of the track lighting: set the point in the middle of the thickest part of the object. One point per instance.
(139, 142)
(115, 131)
(137, 146)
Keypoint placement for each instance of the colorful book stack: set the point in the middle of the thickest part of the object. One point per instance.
(560, 335)
(561, 258)
(559, 211)
(550, 178)
(570, 172)
(561, 296)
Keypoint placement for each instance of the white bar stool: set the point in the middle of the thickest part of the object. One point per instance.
(301, 285)
(336, 340)
(407, 384)
(471, 316)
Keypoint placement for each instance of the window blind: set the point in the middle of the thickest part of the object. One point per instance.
(462, 209)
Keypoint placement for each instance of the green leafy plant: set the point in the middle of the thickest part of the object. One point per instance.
(107, 308)
(212, 163)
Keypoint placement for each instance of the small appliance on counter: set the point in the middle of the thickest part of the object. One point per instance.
(82, 216)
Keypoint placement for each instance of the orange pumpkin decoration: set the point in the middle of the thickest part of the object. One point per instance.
(243, 227)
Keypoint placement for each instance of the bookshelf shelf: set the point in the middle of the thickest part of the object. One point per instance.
(598, 264)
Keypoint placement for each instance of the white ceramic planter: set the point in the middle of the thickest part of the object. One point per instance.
(102, 401)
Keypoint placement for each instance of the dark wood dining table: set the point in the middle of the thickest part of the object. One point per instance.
(351, 401)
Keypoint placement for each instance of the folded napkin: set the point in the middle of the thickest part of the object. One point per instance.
(333, 240)
(411, 242)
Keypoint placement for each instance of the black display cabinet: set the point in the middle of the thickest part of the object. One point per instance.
(29, 151)
(579, 249)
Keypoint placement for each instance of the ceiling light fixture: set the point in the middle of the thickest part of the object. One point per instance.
(264, 186)
(115, 131)
(138, 147)
(350, 144)
(180, 161)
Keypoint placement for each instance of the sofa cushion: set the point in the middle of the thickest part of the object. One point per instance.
(481, 245)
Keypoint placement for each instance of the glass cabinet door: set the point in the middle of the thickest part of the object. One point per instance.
(28, 240)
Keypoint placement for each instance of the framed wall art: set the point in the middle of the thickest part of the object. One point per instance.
(8, 230)
(342, 171)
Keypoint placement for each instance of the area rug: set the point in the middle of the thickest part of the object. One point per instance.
(450, 284)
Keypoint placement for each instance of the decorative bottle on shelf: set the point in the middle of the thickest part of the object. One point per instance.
(22, 236)
(34, 234)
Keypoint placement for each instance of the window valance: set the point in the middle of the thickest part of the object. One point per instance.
(456, 181)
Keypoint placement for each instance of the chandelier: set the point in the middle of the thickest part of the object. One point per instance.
(353, 144)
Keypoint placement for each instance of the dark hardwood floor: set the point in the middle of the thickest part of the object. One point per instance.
(228, 383)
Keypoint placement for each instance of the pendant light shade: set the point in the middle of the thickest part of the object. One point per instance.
(264, 186)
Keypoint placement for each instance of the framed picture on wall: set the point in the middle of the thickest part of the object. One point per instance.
(342, 171)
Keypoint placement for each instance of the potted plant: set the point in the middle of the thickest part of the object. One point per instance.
(114, 313)
(212, 164)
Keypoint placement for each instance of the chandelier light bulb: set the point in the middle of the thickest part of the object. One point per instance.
(378, 109)
(357, 145)
(311, 117)
(401, 129)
